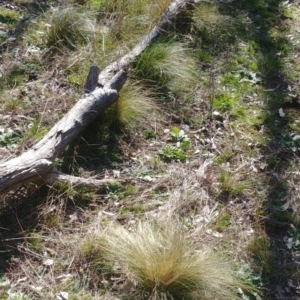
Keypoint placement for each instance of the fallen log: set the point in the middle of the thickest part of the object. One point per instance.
(37, 163)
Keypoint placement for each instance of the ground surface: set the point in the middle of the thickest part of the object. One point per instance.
(218, 149)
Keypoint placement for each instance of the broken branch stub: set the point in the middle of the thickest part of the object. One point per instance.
(38, 162)
(92, 79)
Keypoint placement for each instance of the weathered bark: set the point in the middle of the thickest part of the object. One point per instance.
(38, 163)
(92, 79)
(57, 176)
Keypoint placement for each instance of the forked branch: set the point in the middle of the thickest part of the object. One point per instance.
(38, 163)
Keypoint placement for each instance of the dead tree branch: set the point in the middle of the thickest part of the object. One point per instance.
(38, 162)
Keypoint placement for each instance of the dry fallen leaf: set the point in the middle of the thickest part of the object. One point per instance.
(48, 262)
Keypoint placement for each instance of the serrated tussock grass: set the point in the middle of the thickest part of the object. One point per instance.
(166, 264)
(135, 108)
(129, 20)
(168, 63)
(70, 26)
(134, 7)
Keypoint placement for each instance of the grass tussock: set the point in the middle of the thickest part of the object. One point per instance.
(70, 26)
(129, 20)
(134, 7)
(166, 265)
(169, 64)
(207, 14)
(135, 107)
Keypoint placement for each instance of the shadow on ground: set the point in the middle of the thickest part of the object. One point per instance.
(18, 217)
(263, 25)
(280, 148)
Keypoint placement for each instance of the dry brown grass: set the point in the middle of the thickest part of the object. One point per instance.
(136, 107)
(69, 27)
(148, 255)
(166, 265)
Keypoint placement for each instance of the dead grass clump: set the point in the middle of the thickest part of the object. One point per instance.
(70, 26)
(166, 265)
(189, 191)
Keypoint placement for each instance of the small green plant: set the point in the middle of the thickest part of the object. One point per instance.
(261, 251)
(78, 195)
(230, 184)
(115, 192)
(131, 189)
(295, 236)
(222, 222)
(91, 251)
(69, 26)
(114, 188)
(7, 292)
(178, 135)
(167, 265)
(205, 57)
(9, 138)
(272, 162)
(171, 153)
(223, 103)
(16, 75)
(224, 157)
(13, 103)
(36, 241)
(150, 134)
(291, 142)
(252, 281)
(35, 129)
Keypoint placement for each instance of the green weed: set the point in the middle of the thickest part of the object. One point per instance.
(16, 76)
(224, 157)
(36, 131)
(230, 184)
(252, 280)
(150, 134)
(10, 138)
(36, 242)
(223, 103)
(261, 251)
(171, 153)
(78, 196)
(222, 222)
(178, 135)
